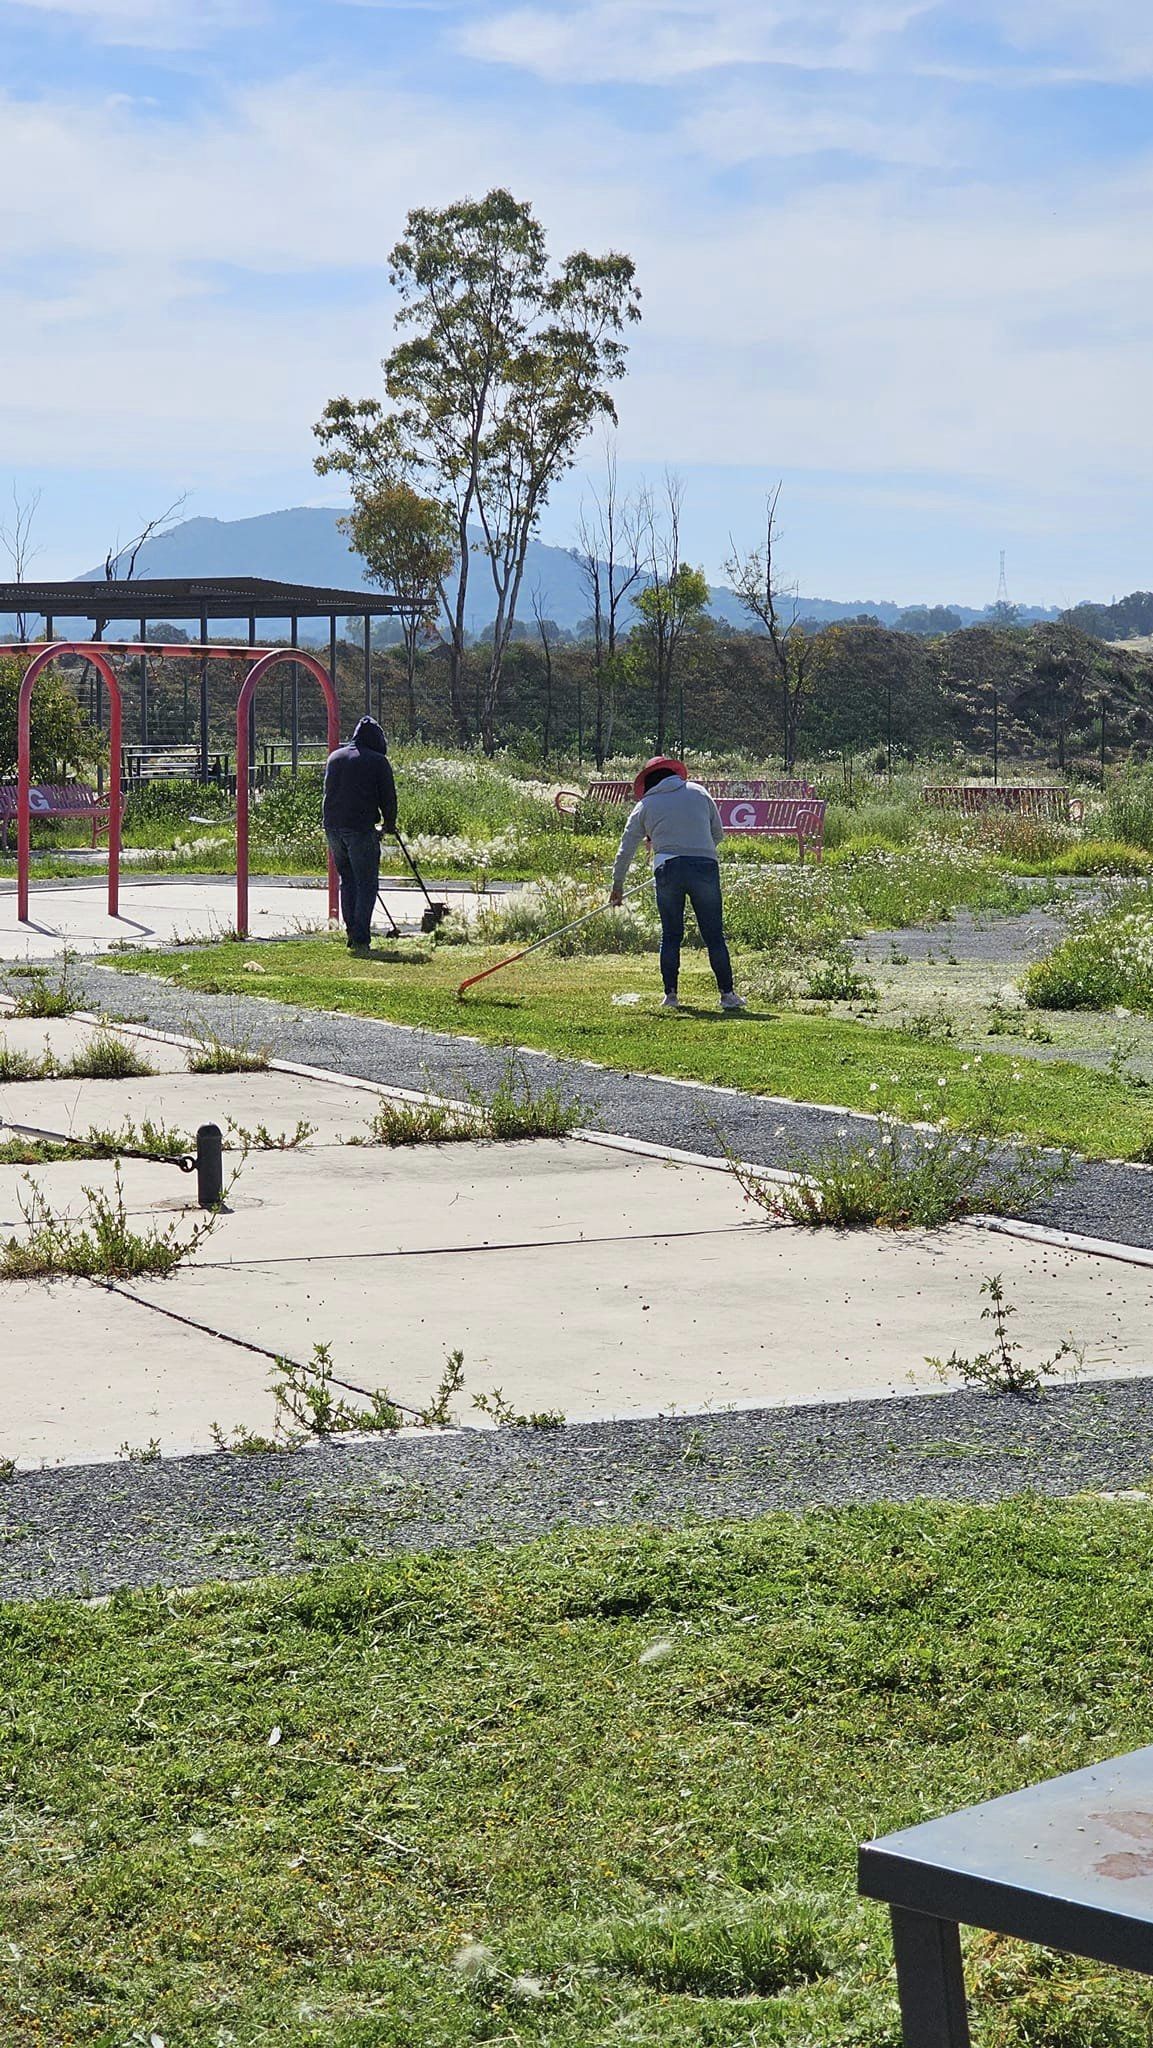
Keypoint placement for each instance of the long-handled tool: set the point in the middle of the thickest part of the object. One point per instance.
(436, 912)
(573, 925)
(388, 914)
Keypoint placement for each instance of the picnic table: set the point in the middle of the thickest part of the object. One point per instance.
(1068, 1863)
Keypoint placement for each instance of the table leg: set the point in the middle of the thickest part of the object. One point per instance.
(930, 1981)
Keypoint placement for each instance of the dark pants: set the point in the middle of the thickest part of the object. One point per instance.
(698, 881)
(357, 857)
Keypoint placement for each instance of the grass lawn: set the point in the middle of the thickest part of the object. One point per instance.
(634, 1767)
(566, 1006)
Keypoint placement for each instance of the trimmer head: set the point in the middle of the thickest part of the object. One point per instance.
(434, 916)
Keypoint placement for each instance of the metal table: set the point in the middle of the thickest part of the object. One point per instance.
(1068, 1863)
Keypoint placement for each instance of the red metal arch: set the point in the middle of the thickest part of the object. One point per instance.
(255, 675)
(31, 677)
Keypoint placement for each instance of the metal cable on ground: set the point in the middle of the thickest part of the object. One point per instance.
(186, 1161)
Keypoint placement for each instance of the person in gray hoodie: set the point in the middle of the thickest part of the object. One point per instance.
(683, 826)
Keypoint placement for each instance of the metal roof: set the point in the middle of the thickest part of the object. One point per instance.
(191, 597)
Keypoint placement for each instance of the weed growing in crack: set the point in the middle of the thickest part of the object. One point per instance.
(213, 1055)
(308, 1406)
(261, 1139)
(24, 1066)
(1001, 1369)
(141, 1454)
(150, 1140)
(503, 1415)
(106, 1058)
(438, 1413)
(100, 1244)
(515, 1109)
(41, 996)
(418, 1123)
(900, 1176)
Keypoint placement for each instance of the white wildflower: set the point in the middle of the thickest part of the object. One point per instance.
(474, 1960)
(656, 1653)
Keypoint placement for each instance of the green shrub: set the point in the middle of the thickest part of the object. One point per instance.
(1105, 962)
(1129, 808)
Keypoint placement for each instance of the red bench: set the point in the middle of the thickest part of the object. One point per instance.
(55, 800)
(1014, 799)
(781, 817)
(567, 800)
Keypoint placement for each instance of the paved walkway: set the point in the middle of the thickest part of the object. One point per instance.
(162, 910)
(1106, 1201)
(575, 1276)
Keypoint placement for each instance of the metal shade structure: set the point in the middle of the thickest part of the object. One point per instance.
(201, 599)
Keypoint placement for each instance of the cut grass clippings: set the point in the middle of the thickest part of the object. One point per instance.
(567, 1007)
(604, 1788)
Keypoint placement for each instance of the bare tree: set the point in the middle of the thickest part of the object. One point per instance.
(672, 601)
(775, 605)
(152, 529)
(16, 540)
(609, 554)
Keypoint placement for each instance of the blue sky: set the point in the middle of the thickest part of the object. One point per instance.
(894, 252)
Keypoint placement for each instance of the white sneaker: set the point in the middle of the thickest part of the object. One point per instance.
(671, 1003)
(732, 1001)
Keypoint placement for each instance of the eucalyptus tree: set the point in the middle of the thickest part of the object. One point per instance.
(504, 363)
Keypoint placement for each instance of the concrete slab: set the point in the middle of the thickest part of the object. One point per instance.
(279, 1101)
(83, 1372)
(572, 1277)
(64, 1037)
(163, 910)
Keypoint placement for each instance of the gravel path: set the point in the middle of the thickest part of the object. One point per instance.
(1010, 942)
(88, 1530)
(1106, 1201)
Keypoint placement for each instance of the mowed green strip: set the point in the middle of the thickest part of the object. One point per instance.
(567, 1007)
(633, 1767)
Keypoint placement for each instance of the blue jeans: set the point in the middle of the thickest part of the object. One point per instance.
(683, 877)
(357, 857)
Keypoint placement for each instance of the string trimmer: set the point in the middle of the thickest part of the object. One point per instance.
(573, 925)
(436, 912)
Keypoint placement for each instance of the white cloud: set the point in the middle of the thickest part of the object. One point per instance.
(898, 324)
(666, 41)
(164, 24)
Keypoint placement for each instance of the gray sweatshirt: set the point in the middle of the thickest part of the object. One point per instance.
(679, 818)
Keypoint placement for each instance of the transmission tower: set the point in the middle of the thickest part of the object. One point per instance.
(1002, 586)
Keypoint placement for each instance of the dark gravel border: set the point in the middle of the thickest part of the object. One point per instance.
(89, 1530)
(1104, 1200)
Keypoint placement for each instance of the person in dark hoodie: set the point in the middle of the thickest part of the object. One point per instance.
(359, 790)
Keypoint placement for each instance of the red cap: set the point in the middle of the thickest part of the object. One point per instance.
(663, 761)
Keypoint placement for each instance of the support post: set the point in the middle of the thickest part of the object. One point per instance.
(251, 720)
(209, 1166)
(332, 650)
(930, 1980)
(295, 630)
(143, 686)
(34, 670)
(204, 701)
(996, 737)
(1102, 742)
(367, 666)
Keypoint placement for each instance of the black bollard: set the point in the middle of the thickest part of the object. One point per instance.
(209, 1166)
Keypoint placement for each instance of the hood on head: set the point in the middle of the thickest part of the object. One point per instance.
(661, 764)
(368, 735)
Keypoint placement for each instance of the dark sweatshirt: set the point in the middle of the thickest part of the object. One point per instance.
(358, 783)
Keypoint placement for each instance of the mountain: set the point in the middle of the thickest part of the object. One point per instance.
(305, 545)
